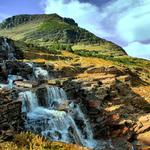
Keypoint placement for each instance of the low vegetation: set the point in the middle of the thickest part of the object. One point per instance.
(30, 141)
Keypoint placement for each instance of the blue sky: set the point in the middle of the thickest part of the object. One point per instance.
(125, 22)
(14, 7)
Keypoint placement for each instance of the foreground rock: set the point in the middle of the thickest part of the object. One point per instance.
(144, 137)
(8, 50)
(104, 94)
(10, 111)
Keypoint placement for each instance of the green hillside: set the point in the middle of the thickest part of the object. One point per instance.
(47, 30)
(41, 52)
(52, 34)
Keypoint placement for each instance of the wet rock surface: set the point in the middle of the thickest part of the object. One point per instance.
(10, 111)
(92, 96)
(8, 50)
(111, 105)
(104, 98)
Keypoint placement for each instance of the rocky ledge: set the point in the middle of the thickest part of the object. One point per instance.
(104, 94)
(108, 99)
(10, 113)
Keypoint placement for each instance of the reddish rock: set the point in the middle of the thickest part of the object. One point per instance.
(94, 104)
(145, 148)
(115, 117)
(144, 137)
(121, 144)
(125, 130)
(116, 133)
(144, 129)
(144, 118)
(120, 132)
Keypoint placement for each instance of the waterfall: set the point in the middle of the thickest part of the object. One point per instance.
(10, 80)
(48, 110)
(29, 101)
(88, 129)
(55, 96)
(41, 73)
(30, 64)
(55, 124)
(50, 113)
(10, 50)
(38, 72)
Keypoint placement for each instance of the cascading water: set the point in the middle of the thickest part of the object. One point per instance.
(10, 80)
(51, 114)
(11, 55)
(55, 96)
(39, 72)
(29, 101)
(53, 123)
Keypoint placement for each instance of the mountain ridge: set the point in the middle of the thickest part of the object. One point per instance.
(25, 18)
(43, 30)
(111, 88)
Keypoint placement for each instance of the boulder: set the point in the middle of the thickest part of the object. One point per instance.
(107, 70)
(144, 137)
(64, 106)
(94, 104)
(8, 50)
(10, 111)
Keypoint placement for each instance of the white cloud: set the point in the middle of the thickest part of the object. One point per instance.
(134, 23)
(85, 14)
(3, 16)
(127, 21)
(137, 49)
(124, 21)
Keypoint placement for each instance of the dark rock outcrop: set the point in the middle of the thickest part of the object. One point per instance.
(8, 50)
(22, 19)
(10, 111)
(54, 29)
(94, 94)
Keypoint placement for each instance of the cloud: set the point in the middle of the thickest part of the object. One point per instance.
(129, 22)
(116, 20)
(138, 49)
(125, 23)
(3, 16)
(134, 23)
(126, 20)
(85, 14)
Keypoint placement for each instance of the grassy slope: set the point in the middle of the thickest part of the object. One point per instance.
(139, 66)
(83, 54)
(20, 32)
(53, 29)
(103, 53)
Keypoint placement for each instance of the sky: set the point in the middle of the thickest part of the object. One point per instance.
(124, 22)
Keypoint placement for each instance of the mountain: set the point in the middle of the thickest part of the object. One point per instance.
(45, 30)
(41, 36)
(69, 85)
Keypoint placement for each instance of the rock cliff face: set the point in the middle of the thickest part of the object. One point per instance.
(112, 87)
(8, 51)
(45, 30)
(10, 111)
(23, 19)
(72, 98)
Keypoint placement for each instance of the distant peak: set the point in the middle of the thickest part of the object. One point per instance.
(25, 18)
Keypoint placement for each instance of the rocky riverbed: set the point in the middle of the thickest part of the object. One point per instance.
(95, 107)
